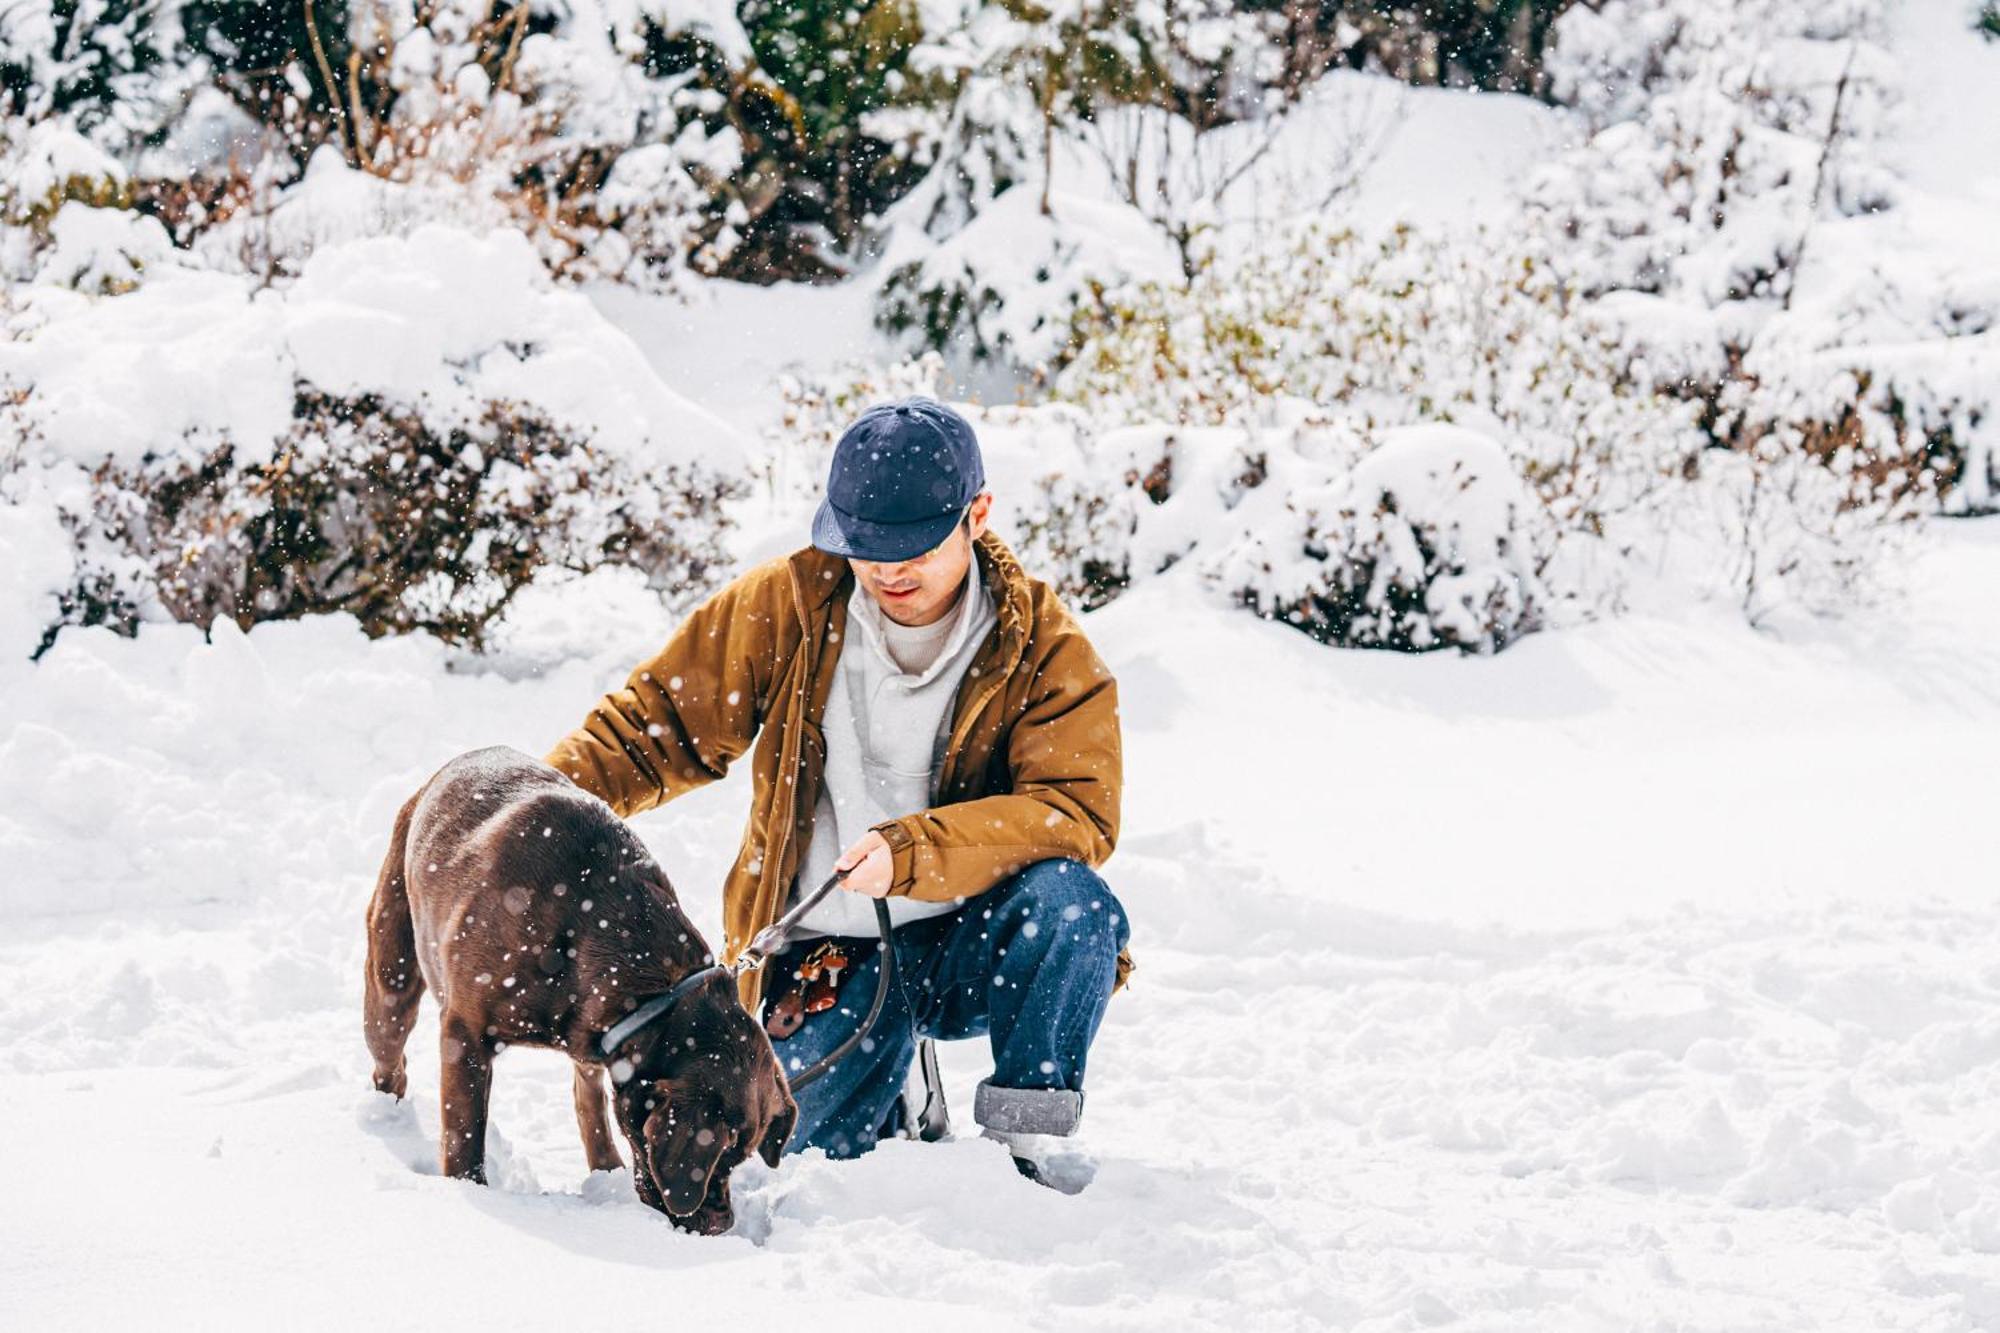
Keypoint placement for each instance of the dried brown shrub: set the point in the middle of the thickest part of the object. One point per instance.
(368, 509)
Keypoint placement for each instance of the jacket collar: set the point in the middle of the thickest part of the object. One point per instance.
(817, 579)
(1011, 588)
(820, 579)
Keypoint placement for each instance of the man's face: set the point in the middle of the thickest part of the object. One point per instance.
(920, 591)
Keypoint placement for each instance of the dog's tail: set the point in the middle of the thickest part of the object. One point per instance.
(395, 982)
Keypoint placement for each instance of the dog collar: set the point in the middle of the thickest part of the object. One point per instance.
(770, 940)
(654, 1009)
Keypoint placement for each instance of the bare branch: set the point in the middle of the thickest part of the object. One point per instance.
(332, 88)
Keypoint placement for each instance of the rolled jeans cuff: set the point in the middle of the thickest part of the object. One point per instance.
(1026, 1110)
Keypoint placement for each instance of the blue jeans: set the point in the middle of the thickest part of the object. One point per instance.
(1028, 964)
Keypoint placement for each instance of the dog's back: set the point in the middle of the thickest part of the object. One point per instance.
(511, 868)
(480, 811)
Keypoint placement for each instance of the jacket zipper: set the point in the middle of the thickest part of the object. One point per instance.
(788, 770)
(962, 728)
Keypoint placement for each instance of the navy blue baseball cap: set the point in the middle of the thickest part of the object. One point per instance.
(902, 475)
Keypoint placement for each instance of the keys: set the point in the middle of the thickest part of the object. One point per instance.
(821, 972)
(814, 989)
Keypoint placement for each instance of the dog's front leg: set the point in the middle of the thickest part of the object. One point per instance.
(643, 1183)
(467, 1081)
(592, 1119)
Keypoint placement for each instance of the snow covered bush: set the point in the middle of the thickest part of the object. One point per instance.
(601, 135)
(370, 509)
(1132, 193)
(1075, 498)
(1794, 530)
(410, 432)
(1311, 343)
(101, 250)
(1392, 328)
(1410, 538)
(1430, 541)
(987, 258)
(105, 68)
(490, 114)
(1008, 285)
(1740, 224)
(1076, 128)
(1089, 146)
(45, 168)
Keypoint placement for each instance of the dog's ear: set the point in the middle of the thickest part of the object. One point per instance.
(779, 1132)
(683, 1149)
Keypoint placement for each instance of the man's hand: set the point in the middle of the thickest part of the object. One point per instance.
(868, 865)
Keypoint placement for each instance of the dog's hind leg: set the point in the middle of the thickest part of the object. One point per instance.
(395, 982)
(593, 1118)
(467, 1082)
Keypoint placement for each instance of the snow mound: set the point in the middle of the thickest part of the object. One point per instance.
(442, 320)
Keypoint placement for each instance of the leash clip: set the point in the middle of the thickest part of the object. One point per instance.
(771, 941)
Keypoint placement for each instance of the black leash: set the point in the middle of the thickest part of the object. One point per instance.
(769, 942)
(885, 966)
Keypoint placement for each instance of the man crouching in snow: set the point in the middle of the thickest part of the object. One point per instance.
(931, 720)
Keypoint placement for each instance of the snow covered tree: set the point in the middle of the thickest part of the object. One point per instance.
(828, 65)
(1125, 83)
(292, 67)
(108, 68)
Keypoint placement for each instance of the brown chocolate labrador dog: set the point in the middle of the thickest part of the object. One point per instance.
(537, 918)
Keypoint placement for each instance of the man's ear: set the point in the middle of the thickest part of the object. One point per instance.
(979, 514)
(778, 1133)
(683, 1151)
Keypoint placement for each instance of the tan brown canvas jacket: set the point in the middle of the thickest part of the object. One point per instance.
(1032, 770)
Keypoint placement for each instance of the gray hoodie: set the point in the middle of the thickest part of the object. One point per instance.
(885, 727)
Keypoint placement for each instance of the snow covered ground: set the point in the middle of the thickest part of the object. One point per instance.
(1644, 976)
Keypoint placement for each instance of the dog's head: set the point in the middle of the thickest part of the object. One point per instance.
(701, 1109)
